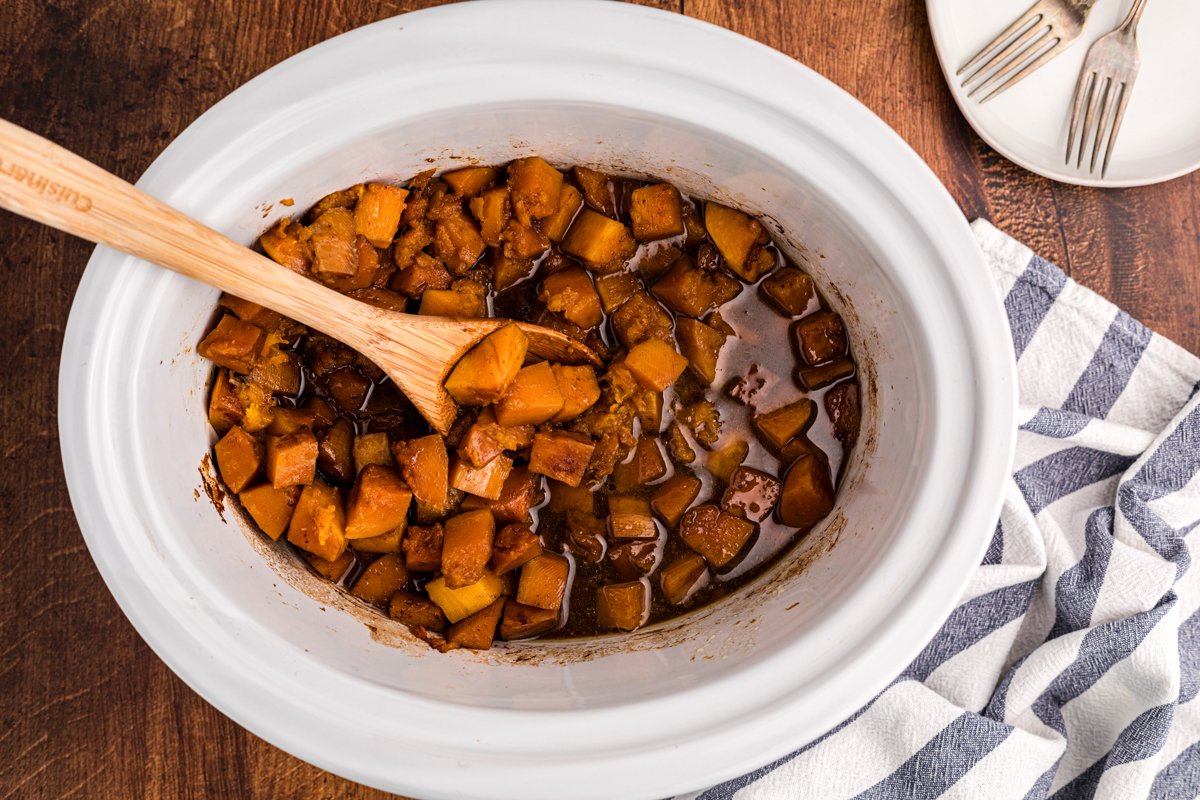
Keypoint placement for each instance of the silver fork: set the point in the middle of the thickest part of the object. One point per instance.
(1045, 30)
(1110, 69)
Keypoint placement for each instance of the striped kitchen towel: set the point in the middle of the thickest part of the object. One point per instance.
(1071, 667)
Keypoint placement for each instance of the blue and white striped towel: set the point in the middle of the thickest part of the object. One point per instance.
(1071, 667)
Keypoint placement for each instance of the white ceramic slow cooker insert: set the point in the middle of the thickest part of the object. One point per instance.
(645, 715)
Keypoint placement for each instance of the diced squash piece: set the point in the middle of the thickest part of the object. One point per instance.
(233, 344)
(615, 289)
(561, 455)
(656, 212)
(646, 465)
(685, 289)
(426, 467)
(752, 494)
(457, 243)
(701, 345)
(507, 271)
(377, 503)
(224, 407)
(602, 244)
(522, 241)
(478, 447)
(544, 581)
(514, 545)
(278, 373)
(423, 547)
(723, 462)
(570, 292)
(564, 497)
(287, 244)
(470, 181)
(239, 458)
(372, 448)
(725, 288)
(807, 495)
(652, 265)
(348, 387)
(389, 542)
(250, 312)
(335, 451)
(813, 378)
(789, 291)
(478, 630)
(641, 318)
(334, 243)
(486, 481)
(377, 214)
(290, 420)
(596, 189)
(318, 524)
(532, 398)
(800, 446)
(649, 410)
(521, 491)
(334, 570)
(467, 546)
(630, 518)
(461, 603)
(484, 374)
(635, 558)
(413, 609)
(384, 577)
(776, 428)
(342, 198)
(579, 390)
(535, 187)
(524, 622)
(675, 496)
(493, 210)
(449, 303)
(739, 237)
(374, 269)
(715, 534)
(569, 202)
(655, 364)
(586, 535)
(842, 405)
(683, 577)
(822, 337)
(270, 508)
(292, 459)
(625, 606)
(425, 272)
(258, 407)
(677, 444)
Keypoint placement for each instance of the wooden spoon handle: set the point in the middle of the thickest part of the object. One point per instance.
(44, 182)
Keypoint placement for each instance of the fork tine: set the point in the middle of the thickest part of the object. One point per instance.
(1004, 70)
(1102, 120)
(1085, 82)
(1093, 93)
(1021, 22)
(1059, 45)
(1126, 90)
(1030, 36)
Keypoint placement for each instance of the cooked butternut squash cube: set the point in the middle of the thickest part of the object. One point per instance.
(290, 420)
(478, 630)
(493, 210)
(522, 241)
(388, 542)
(602, 244)
(239, 458)
(467, 546)
(586, 535)
(457, 242)
(630, 518)
(335, 451)
(752, 494)
(579, 390)
(524, 622)
(678, 446)
(334, 242)
(685, 289)
(507, 271)
(544, 581)
(675, 496)
(521, 491)
(342, 198)
(384, 577)
(723, 462)
(270, 508)
(484, 374)
(449, 303)
(426, 468)
(258, 407)
(292, 459)
(486, 481)
(656, 212)
(535, 187)
(372, 448)
(334, 570)
(348, 387)
(615, 289)
(649, 410)
(597, 190)
(514, 545)
(561, 455)
(462, 603)
(701, 345)
(570, 292)
(278, 373)
(641, 318)
(318, 523)
(739, 237)
(625, 606)
(814, 378)
(423, 547)
(532, 398)
(645, 465)
(233, 344)
(776, 428)
(250, 312)
(715, 534)
(287, 244)
(377, 214)
(683, 577)
(224, 406)
(413, 609)
(822, 337)
(564, 498)
(807, 495)
(790, 291)
(569, 202)
(470, 181)
(426, 272)
(845, 412)
(655, 364)
(377, 503)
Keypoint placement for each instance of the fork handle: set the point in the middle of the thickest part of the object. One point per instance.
(1135, 14)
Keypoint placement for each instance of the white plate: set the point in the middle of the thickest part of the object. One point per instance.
(1160, 138)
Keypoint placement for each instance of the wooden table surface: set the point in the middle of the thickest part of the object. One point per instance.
(86, 709)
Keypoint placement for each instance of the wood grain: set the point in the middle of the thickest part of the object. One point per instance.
(88, 710)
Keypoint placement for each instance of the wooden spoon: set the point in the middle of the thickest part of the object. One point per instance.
(46, 183)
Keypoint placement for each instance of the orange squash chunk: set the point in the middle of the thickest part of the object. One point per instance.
(579, 390)
(413, 609)
(335, 455)
(292, 459)
(318, 523)
(813, 378)
(270, 508)
(467, 546)
(470, 181)
(740, 238)
(522, 241)
(333, 570)
(532, 398)
(569, 202)
(701, 345)
(596, 189)
(290, 420)
(457, 243)
(233, 344)
(478, 447)
(655, 364)
(388, 542)
(807, 495)
(521, 491)
(683, 577)
(507, 271)
(649, 410)
(630, 518)
(625, 606)
(776, 428)
(372, 448)
(287, 244)
(641, 318)
(342, 198)
(514, 546)
(378, 503)
(752, 494)
(685, 289)
(822, 337)
(789, 291)
(277, 372)
(570, 292)
(721, 463)
(544, 581)
(478, 630)
(250, 312)
(426, 272)
(536, 187)
(656, 212)
(484, 374)
(561, 455)
(645, 466)
(674, 497)
(715, 534)
(334, 243)
(522, 622)
(348, 387)
(845, 412)
(258, 408)
(615, 289)
(423, 547)
(486, 481)
(635, 558)
(493, 210)
(457, 303)
(239, 458)
(377, 214)
(224, 407)
(384, 577)
(564, 498)
(602, 244)
(426, 468)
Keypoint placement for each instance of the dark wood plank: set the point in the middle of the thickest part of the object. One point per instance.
(89, 710)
